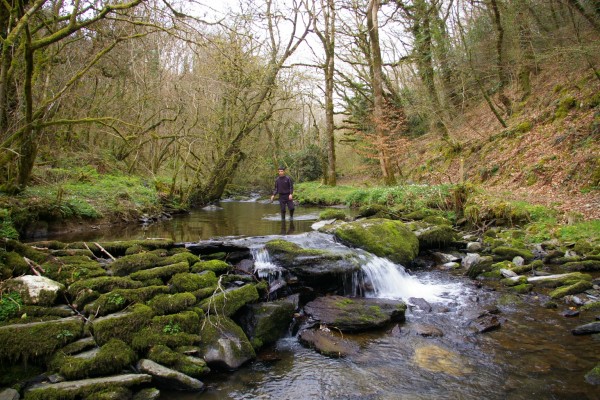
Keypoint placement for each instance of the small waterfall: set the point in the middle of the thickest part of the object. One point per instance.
(263, 267)
(385, 279)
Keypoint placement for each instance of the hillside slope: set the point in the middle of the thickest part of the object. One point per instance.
(549, 154)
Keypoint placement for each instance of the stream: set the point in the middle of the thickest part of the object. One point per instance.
(532, 355)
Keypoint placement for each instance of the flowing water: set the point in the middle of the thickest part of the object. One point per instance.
(532, 356)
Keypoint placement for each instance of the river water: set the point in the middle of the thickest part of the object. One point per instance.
(532, 356)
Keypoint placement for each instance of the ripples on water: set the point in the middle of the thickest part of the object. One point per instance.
(532, 356)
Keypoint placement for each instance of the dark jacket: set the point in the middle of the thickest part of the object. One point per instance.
(283, 185)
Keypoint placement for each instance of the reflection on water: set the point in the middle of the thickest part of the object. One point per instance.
(227, 218)
(533, 354)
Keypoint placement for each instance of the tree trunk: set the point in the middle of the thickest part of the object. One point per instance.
(525, 47)
(378, 101)
(424, 54)
(501, 63)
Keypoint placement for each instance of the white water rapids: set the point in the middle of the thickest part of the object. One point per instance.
(383, 278)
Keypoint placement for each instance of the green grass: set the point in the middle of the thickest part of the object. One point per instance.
(411, 197)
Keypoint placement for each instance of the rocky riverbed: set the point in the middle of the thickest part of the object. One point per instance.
(128, 319)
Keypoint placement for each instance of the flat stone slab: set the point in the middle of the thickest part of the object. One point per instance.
(170, 378)
(328, 343)
(355, 314)
(587, 329)
(71, 388)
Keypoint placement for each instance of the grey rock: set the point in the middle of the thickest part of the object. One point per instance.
(473, 247)
(71, 388)
(587, 329)
(169, 378)
(36, 290)
(328, 343)
(147, 394)
(518, 261)
(9, 394)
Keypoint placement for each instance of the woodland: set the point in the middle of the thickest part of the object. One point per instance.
(204, 99)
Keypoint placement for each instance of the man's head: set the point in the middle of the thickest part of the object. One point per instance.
(281, 170)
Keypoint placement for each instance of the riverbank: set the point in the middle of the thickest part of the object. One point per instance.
(156, 298)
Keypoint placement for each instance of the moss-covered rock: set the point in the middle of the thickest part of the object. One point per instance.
(508, 253)
(191, 282)
(103, 284)
(69, 269)
(217, 266)
(328, 343)
(480, 266)
(172, 303)
(522, 288)
(136, 262)
(435, 236)
(111, 358)
(37, 339)
(12, 264)
(265, 323)
(575, 288)
(553, 281)
(162, 273)
(228, 302)
(122, 325)
(355, 314)
(83, 389)
(173, 330)
(35, 290)
(333, 214)
(384, 238)
(119, 248)
(224, 344)
(593, 376)
(191, 366)
(119, 299)
(583, 265)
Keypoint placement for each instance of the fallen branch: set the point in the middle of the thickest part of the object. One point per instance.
(104, 251)
(36, 268)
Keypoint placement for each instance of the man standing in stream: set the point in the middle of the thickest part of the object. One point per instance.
(284, 186)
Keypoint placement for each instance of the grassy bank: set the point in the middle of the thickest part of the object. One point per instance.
(79, 194)
(469, 206)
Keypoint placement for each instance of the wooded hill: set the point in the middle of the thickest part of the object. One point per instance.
(197, 100)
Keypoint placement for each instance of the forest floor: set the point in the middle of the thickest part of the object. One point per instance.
(549, 154)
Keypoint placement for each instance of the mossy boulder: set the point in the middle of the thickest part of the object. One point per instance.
(109, 359)
(35, 290)
(37, 339)
(355, 314)
(191, 366)
(224, 344)
(575, 288)
(433, 236)
(333, 214)
(583, 265)
(219, 267)
(136, 262)
(508, 253)
(172, 303)
(119, 248)
(593, 376)
(69, 269)
(163, 273)
(191, 282)
(85, 388)
(479, 266)
(382, 237)
(554, 281)
(228, 302)
(12, 264)
(169, 378)
(121, 325)
(103, 284)
(328, 343)
(119, 299)
(265, 323)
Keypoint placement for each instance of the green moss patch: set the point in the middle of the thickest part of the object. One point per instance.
(162, 273)
(190, 282)
(227, 303)
(119, 299)
(123, 325)
(191, 366)
(384, 238)
(219, 267)
(103, 284)
(46, 337)
(172, 303)
(111, 358)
